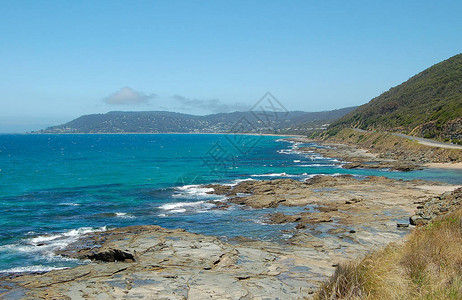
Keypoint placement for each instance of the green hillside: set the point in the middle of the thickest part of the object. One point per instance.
(429, 105)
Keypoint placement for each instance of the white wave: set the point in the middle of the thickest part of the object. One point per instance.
(321, 165)
(171, 206)
(314, 156)
(123, 215)
(284, 140)
(180, 210)
(181, 207)
(17, 248)
(237, 181)
(286, 151)
(69, 204)
(260, 222)
(66, 237)
(296, 161)
(283, 174)
(30, 269)
(193, 191)
(309, 176)
(44, 247)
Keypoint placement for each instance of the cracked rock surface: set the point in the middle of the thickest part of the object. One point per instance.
(350, 218)
(158, 263)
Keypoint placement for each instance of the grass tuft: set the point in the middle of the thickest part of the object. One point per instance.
(428, 265)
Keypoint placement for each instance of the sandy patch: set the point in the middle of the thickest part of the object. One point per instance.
(439, 188)
(457, 166)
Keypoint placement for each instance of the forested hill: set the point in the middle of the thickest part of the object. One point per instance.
(429, 105)
(166, 122)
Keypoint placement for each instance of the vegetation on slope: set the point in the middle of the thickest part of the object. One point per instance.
(429, 105)
(428, 265)
(387, 145)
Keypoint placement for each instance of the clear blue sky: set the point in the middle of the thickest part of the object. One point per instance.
(62, 59)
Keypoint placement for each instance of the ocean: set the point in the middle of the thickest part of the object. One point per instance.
(54, 188)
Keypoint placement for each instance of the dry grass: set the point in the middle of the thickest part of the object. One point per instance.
(428, 265)
(394, 146)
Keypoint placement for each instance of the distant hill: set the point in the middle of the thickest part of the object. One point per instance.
(164, 122)
(428, 105)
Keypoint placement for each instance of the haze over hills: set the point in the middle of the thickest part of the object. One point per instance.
(428, 105)
(165, 122)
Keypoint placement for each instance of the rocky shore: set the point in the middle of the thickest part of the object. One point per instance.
(354, 157)
(390, 147)
(338, 218)
(342, 200)
(433, 207)
(345, 217)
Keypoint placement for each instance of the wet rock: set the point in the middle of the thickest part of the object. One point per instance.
(402, 225)
(219, 205)
(300, 226)
(352, 165)
(321, 180)
(352, 201)
(173, 264)
(218, 189)
(280, 218)
(436, 206)
(109, 255)
(327, 208)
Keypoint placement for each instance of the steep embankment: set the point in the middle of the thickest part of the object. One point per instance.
(426, 266)
(388, 145)
(428, 105)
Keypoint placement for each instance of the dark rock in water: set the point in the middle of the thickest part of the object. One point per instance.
(417, 220)
(280, 218)
(110, 255)
(352, 201)
(218, 189)
(402, 225)
(219, 204)
(238, 200)
(352, 166)
(403, 168)
(300, 226)
(394, 166)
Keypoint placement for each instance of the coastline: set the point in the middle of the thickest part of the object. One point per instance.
(159, 133)
(368, 155)
(345, 217)
(452, 166)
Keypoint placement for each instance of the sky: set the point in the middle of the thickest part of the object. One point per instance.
(63, 59)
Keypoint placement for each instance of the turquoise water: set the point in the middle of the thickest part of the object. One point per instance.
(53, 188)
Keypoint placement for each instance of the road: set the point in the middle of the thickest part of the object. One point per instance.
(422, 141)
(429, 142)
